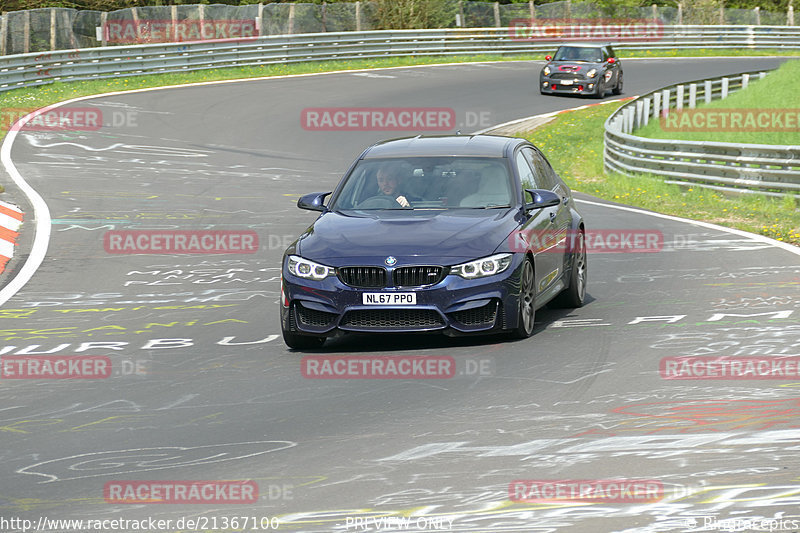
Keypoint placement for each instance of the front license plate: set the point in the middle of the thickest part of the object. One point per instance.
(566, 82)
(389, 298)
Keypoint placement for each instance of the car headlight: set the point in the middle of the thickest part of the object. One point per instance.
(546, 71)
(303, 268)
(592, 73)
(480, 268)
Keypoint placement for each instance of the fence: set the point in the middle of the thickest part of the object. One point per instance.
(53, 29)
(771, 170)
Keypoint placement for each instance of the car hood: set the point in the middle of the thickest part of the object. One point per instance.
(573, 67)
(412, 237)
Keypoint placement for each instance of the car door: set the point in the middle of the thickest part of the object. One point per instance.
(611, 68)
(563, 222)
(540, 226)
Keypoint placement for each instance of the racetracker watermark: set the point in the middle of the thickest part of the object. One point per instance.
(378, 367)
(606, 490)
(711, 523)
(708, 120)
(597, 241)
(182, 492)
(378, 119)
(162, 31)
(55, 367)
(57, 119)
(730, 368)
(180, 242)
(586, 29)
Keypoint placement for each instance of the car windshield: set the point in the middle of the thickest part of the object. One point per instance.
(578, 53)
(426, 183)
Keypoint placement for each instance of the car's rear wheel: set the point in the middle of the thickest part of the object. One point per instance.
(575, 294)
(527, 302)
(618, 88)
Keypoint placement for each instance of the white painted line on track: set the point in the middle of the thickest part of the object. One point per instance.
(752, 236)
(41, 214)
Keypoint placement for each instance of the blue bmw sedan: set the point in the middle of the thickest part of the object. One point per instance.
(452, 234)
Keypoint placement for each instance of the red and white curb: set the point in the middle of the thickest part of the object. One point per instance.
(10, 221)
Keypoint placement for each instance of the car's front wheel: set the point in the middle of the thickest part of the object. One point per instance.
(527, 302)
(301, 342)
(601, 89)
(575, 294)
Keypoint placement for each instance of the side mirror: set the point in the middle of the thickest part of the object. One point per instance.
(541, 198)
(313, 201)
(548, 57)
(611, 60)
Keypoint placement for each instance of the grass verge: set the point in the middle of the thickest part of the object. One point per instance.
(775, 91)
(573, 143)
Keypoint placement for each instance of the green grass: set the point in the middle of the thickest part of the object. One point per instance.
(778, 90)
(573, 143)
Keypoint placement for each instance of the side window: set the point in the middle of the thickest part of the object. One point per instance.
(526, 176)
(544, 174)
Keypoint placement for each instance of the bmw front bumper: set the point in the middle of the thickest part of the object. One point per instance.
(454, 305)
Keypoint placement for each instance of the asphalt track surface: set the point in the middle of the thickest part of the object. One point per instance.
(203, 388)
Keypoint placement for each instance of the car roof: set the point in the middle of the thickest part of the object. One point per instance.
(443, 145)
(586, 45)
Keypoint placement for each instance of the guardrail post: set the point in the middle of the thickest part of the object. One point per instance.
(654, 9)
(646, 114)
(680, 13)
(665, 96)
(692, 96)
(532, 9)
(707, 96)
(52, 28)
(290, 28)
(135, 15)
(26, 33)
(103, 30)
(628, 119)
(724, 93)
(358, 15)
(3, 34)
(745, 80)
(173, 15)
(758, 15)
(639, 110)
(790, 15)
(497, 14)
(656, 104)
(679, 97)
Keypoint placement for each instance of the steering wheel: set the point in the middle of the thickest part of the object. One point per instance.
(378, 202)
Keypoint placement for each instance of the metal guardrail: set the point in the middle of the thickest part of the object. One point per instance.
(769, 169)
(27, 70)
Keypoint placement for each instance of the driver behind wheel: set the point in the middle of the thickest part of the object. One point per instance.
(388, 184)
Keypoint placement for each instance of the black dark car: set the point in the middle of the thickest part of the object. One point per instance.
(587, 69)
(468, 235)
